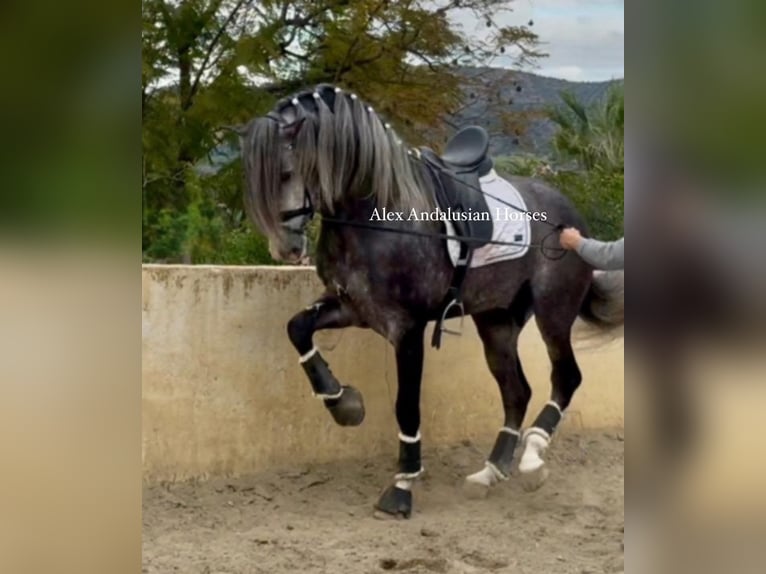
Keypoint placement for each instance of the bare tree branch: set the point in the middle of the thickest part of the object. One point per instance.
(214, 43)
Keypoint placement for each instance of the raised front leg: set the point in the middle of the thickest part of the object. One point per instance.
(343, 401)
(396, 500)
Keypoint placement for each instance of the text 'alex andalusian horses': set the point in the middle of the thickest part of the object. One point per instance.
(324, 151)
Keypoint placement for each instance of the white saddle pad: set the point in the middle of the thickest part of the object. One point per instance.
(508, 224)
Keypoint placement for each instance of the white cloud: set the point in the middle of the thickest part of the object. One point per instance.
(585, 39)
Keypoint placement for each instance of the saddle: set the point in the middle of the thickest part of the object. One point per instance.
(456, 176)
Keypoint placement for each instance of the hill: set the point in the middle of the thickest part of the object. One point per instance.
(511, 106)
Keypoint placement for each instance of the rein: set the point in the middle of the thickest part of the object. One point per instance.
(469, 240)
(447, 236)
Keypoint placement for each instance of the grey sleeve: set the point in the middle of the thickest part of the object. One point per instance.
(608, 256)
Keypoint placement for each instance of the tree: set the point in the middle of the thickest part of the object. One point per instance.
(594, 136)
(211, 63)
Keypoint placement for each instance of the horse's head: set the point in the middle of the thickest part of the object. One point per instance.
(317, 151)
(278, 199)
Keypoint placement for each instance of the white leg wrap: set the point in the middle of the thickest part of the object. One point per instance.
(490, 474)
(536, 440)
(406, 478)
(307, 356)
(337, 395)
(487, 476)
(409, 439)
(409, 475)
(537, 431)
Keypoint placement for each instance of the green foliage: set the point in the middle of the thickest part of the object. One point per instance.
(598, 196)
(593, 136)
(527, 165)
(205, 232)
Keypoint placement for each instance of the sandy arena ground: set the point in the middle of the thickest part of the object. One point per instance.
(319, 518)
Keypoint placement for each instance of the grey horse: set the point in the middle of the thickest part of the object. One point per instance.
(324, 151)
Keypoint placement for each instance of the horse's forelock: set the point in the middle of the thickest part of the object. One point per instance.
(263, 175)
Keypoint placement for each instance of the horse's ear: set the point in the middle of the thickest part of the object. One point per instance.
(291, 130)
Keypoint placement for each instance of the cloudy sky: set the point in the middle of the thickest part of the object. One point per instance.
(584, 38)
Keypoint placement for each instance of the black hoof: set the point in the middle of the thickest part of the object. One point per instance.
(395, 502)
(348, 410)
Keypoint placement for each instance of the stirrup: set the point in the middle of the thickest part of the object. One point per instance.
(442, 328)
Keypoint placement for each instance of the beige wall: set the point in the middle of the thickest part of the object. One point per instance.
(223, 392)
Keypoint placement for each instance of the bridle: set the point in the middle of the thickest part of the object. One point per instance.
(305, 211)
(294, 221)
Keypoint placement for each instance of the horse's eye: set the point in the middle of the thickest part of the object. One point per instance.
(286, 176)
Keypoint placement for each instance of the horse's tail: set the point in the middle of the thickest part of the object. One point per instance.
(604, 304)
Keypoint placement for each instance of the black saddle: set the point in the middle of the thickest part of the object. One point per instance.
(467, 148)
(456, 181)
(456, 176)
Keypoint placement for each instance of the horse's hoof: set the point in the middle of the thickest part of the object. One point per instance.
(534, 479)
(348, 410)
(394, 503)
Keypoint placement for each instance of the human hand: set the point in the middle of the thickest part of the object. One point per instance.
(570, 238)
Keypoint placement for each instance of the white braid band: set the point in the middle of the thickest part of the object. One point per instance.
(509, 430)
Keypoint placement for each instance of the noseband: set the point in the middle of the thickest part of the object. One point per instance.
(307, 210)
